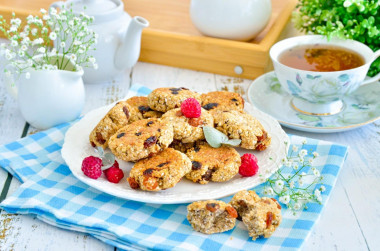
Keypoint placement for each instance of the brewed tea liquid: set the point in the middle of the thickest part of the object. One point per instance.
(322, 58)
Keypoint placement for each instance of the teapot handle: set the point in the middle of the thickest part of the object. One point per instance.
(57, 5)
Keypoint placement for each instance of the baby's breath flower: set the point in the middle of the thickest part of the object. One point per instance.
(73, 57)
(284, 199)
(63, 44)
(77, 42)
(303, 153)
(295, 148)
(297, 206)
(95, 66)
(291, 184)
(279, 184)
(14, 43)
(268, 191)
(21, 53)
(43, 11)
(53, 11)
(316, 173)
(322, 188)
(46, 17)
(315, 154)
(27, 75)
(304, 142)
(53, 36)
(41, 50)
(34, 31)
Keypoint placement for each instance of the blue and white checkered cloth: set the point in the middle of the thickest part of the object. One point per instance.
(50, 192)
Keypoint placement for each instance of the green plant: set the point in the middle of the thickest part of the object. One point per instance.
(353, 19)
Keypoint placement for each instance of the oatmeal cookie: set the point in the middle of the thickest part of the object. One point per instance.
(222, 100)
(141, 139)
(244, 201)
(141, 109)
(116, 118)
(215, 164)
(165, 99)
(211, 216)
(188, 129)
(161, 171)
(184, 147)
(241, 125)
(264, 218)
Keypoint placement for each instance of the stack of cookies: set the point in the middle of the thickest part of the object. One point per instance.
(261, 216)
(167, 146)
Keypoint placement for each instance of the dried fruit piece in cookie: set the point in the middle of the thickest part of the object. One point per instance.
(211, 216)
(116, 118)
(264, 218)
(240, 125)
(165, 99)
(161, 171)
(243, 201)
(184, 147)
(188, 129)
(213, 164)
(222, 100)
(141, 139)
(141, 109)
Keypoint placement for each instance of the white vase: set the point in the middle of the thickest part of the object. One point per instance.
(48, 97)
(230, 19)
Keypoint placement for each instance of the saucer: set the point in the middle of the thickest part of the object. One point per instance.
(360, 107)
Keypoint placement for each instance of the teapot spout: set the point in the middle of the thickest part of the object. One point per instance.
(128, 51)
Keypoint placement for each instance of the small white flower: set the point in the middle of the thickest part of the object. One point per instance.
(304, 142)
(315, 154)
(303, 153)
(268, 191)
(26, 28)
(76, 42)
(297, 206)
(13, 29)
(295, 148)
(46, 17)
(14, 43)
(53, 51)
(317, 192)
(300, 182)
(21, 53)
(71, 22)
(45, 67)
(25, 41)
(43, 11)
(285, 199)
(53, 11)
(27, 75)
(34, 31)
(41, 50)
(95, 66)
(316, 173)
(30, 17)
(279, 184)
(80, 34)
(29, 62)
(295, 166)
(63, 44)
(53, 36)
(44, 30)
(322, 188)
(291, 184)
(311, 161)
(80, 51)
(73, 57)
(3, 45)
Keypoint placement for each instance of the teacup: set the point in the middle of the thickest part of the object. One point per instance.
(321, 93)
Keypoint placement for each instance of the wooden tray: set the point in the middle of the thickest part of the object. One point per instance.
(172, 39)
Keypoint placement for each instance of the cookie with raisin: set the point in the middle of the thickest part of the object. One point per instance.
(243, 201)
(141, 109)
(141, 139)
(159, 172)
(165, 99)
(263, 218)
(213, 164)
(117, 117)
(211, 216)
(188, 130)
(241, 125)
(223, 100)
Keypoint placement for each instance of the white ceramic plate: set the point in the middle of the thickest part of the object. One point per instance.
(76, 147)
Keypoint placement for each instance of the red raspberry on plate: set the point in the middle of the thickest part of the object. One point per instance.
(114, 174)
(249, 166)
(191, 108)
(92, 167)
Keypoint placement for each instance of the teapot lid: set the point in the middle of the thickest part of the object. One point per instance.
(102, 10)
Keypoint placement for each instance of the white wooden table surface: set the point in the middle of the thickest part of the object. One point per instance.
(350, 220)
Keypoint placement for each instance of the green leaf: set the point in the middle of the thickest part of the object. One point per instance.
(233, 142)
(108, 160)
(214, 137)
(100, 151)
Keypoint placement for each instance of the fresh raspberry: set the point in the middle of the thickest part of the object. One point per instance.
(114, 174)
(191, 108)
(249, 166)
(92, 167)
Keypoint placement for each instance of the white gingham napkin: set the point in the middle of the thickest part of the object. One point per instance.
(50, 192)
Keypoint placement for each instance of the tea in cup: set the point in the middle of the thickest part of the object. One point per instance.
(318, 72)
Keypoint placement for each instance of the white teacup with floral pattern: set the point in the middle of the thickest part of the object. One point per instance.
(320, 93)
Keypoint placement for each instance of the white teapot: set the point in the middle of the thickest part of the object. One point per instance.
(119, 36)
